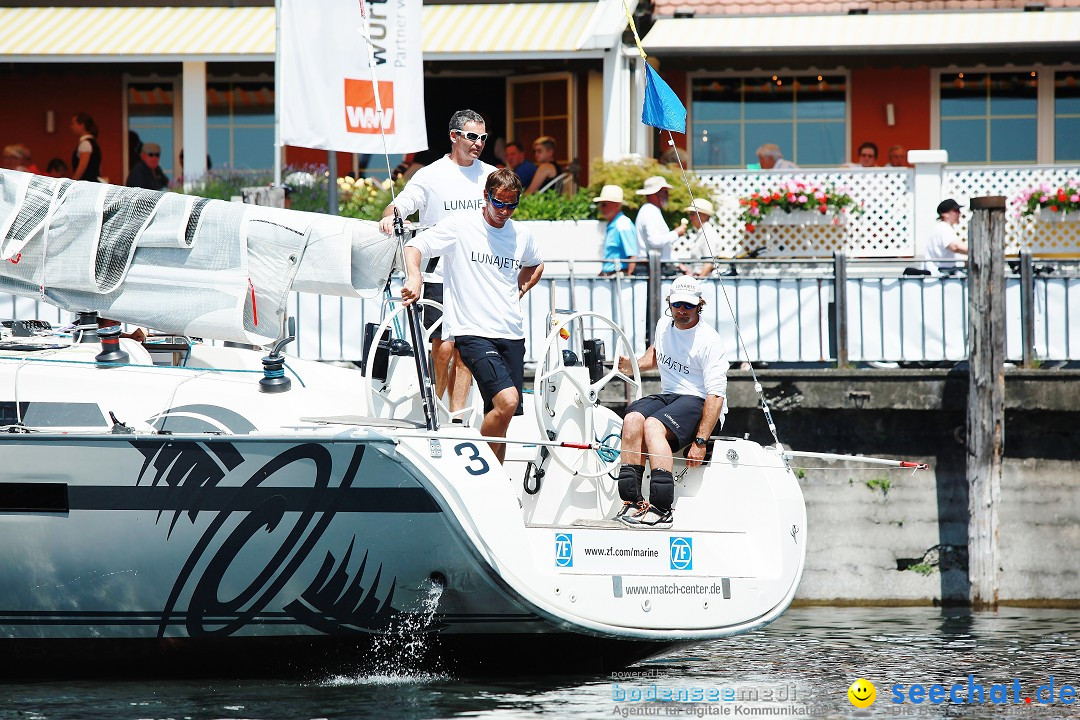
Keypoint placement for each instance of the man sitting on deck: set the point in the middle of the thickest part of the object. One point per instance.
(693, 384)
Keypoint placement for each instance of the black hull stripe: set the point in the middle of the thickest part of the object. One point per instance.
(245, 499)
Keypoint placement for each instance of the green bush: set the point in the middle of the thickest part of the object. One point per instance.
(552, 205)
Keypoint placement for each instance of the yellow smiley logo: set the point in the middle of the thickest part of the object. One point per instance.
(862, 693)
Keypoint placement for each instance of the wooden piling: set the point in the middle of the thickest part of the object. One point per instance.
(986, 393)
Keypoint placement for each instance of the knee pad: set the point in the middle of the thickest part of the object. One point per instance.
(662, 489)
(630, 482)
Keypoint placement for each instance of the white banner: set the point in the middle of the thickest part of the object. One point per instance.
(327, 90)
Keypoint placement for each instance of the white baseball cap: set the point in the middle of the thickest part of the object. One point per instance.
(685, 289)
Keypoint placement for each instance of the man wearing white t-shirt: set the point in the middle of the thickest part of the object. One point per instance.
(453, 183)
(652, 228)
(946, 250)
(693, 384)
(490, 263)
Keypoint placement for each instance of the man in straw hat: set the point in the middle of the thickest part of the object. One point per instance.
(700, 212)
(620, 242)
(693, 384)
(653, 232)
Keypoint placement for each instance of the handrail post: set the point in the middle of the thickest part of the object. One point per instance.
(985, 424)
(653, 299)
(1027, 307)
(840, 307)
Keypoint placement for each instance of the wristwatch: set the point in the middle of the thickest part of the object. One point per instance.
(699, 441)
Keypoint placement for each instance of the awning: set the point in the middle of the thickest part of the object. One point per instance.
(133, 34)
(896, 32)
(152, 34)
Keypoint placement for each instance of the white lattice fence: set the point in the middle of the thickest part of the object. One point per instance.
(1021, 233)
(884, 229)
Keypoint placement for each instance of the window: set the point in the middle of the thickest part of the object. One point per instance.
(806, 115)
(990, 117)
(1067, 116)
(150, 115)
(540, 105)
(240, 124)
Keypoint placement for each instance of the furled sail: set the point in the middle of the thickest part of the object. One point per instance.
(178, 263)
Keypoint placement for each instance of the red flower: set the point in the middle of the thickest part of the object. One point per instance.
(754, 203)
(823, 209)
(742, 201)
(1053, 208)
(1062, 196)
(749, 227)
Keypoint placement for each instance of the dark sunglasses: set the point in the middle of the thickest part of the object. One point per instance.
(684, 306)
(504, 205)
(153, 154)
(472, 137)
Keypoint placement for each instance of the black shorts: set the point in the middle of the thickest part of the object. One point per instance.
(430, 315)
(681, 414)
(495, 364)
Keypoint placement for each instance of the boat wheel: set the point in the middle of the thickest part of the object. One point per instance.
(566, 402)
(402, 388)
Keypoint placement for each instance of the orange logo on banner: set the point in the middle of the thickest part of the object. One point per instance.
(360, 115)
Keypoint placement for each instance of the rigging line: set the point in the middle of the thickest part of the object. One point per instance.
(365, 30)
(727, 299)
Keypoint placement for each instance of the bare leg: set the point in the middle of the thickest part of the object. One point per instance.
(633, 439)
(460, 382)
(656, 440)
(441, 350)
(497, 420)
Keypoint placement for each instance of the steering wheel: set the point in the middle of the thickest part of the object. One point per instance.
(578, 417)
(385, 396)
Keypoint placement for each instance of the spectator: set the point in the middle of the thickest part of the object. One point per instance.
(516, 161)
(699, 212)
(620, 240)
(898, 156)
(87, 156)
(770, 158)
(134, 149)
(483, 296)
(652, 228)
(180, 174)
(57, 168)
(546, 167)
(147, 173)
(17, 157)
(868, 153)
(693, 384)
(945, 249)
(453, 183)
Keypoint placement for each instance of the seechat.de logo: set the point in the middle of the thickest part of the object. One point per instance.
(682, 553)
(564, 550)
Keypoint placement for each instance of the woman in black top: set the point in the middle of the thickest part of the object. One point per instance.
(87, 156)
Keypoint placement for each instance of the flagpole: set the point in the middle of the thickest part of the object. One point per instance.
(277, 93)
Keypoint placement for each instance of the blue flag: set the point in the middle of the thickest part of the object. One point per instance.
(661, 108)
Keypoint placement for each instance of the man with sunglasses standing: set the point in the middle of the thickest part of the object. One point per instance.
(454, 183)
(693, 386)
(147, 172)
(652, 228)
(490, 264)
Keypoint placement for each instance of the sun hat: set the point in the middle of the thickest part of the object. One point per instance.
(611, 193)
(700, 205)
(653, 184)
(685, 289)
(947, 205)
(151, 147)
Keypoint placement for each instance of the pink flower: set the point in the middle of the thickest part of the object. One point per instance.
(1074, 198)
(754, 211)
(803, 198)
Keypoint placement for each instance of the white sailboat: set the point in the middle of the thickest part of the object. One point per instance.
(181, 507)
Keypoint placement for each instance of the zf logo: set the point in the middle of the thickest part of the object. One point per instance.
(682, 553)
(564, 550)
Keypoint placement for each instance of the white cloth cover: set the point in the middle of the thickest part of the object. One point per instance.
(180, 264)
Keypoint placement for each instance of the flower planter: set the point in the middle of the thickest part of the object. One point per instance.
(802, 217)
(1058, 216)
